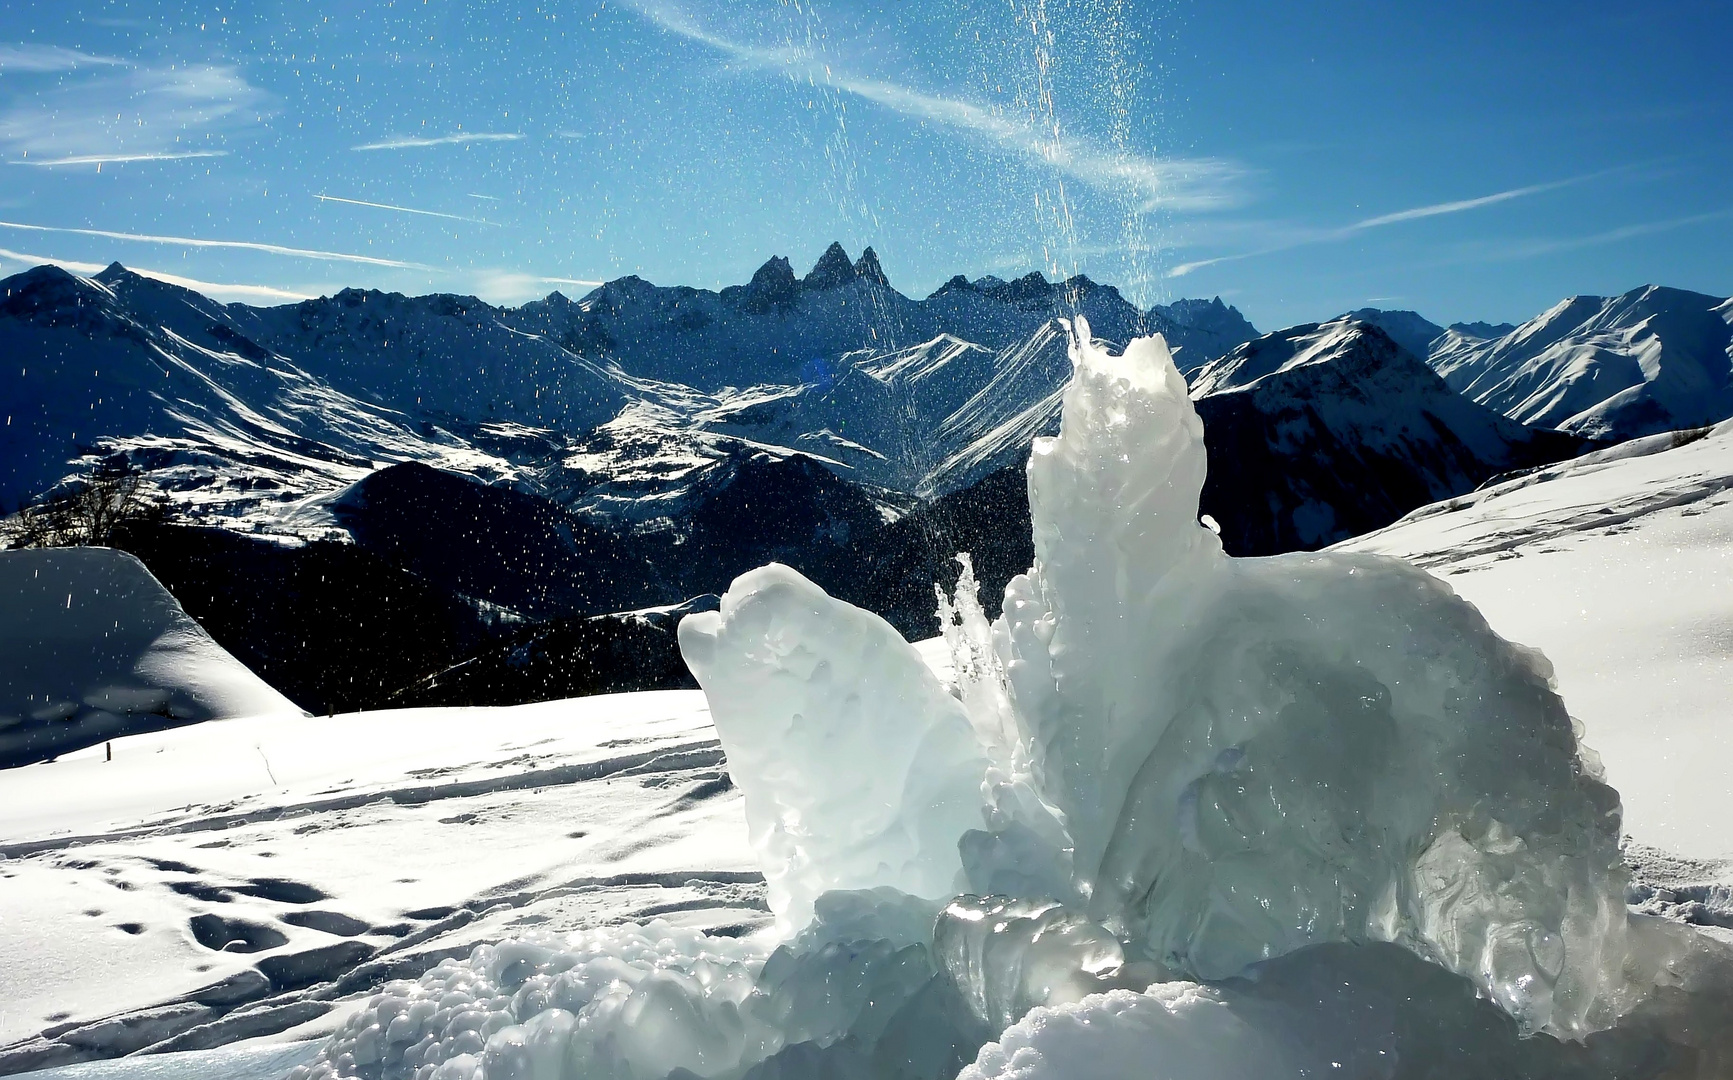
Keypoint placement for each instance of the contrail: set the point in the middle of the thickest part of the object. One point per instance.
(1328, 236)
(405, 210)
(1195, 184)
(241, 245)
(104, 159)
(1460, 205)
(410, 142)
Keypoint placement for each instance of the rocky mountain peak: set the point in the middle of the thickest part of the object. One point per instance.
(832, 269)
(868, 268)
(773, 284)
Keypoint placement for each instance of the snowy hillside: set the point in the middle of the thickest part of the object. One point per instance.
(231, 429)
(1358, 429)
(247, 878)
(93, 648)
(1654, 359)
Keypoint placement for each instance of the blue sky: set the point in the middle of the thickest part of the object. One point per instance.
(1471, 161)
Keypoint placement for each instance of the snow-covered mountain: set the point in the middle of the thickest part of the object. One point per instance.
(1653, 359)
(441, 463)
(612, 403)
(1357, 429)
(1409, 329)
(238, 431)
(782, 329)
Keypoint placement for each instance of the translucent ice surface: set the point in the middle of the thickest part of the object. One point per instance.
(858, 769)
(1255, 755)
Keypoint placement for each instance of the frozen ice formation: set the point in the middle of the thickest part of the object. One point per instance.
(858, 769)
(1208, 817)
(1225, 759)
(1008, 956)
(1254, 755)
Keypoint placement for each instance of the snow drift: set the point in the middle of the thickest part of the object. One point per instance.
(92, 648)
(1177, 792)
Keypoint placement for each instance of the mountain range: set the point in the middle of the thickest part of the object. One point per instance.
(496, 491)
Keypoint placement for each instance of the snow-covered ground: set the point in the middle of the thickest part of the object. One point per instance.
(1619, 567)
(289, 863)
(313, 847)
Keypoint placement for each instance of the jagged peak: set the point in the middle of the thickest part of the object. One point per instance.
(868, 268)
(774, 272)
(833, 268)
(773, 285)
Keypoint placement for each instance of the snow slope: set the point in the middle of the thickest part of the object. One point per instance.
(1619, 566)
(1654, 359)
(93, 648)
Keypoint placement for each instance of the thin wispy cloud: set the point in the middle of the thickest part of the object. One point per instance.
(1460, 205)
(131, 111)
(108, 159)
(413, 142)
(1324, 236)
(236, 245)
(216, 289)
(1191, 184)
(47, 59)
(404, 210)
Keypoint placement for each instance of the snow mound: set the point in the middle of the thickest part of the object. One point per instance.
(628, 1000)
(92, 647)
(649, 1001)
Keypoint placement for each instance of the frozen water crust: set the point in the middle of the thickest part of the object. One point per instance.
(1178, 815)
